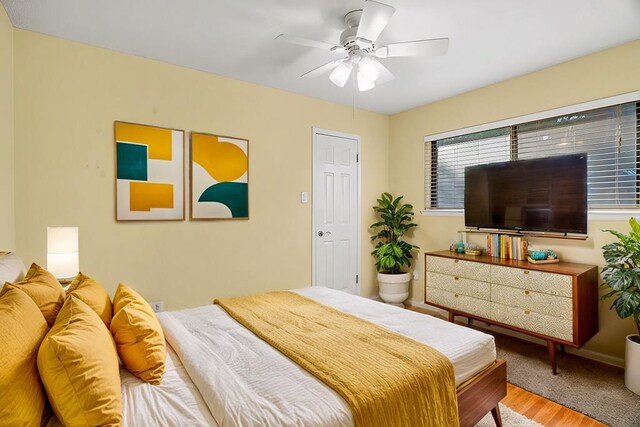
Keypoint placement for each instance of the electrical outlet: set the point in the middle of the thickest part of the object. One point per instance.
(416, 276)
(157, 306)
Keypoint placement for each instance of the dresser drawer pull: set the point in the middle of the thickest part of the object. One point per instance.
(455, 295)
(526, 272)
(456, 278)
(456, 260)
(526, 292)
(526, 312)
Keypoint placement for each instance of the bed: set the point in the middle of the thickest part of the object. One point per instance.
(220, 374)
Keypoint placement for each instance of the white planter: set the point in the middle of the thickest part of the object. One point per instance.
(394, 288)
(632, 365)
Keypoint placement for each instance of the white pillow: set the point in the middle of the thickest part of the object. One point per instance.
(11, 268)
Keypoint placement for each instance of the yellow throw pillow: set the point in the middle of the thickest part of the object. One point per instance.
(79, 367)
(44, 290)
(138, 335)
(22, 329)
(89, 291)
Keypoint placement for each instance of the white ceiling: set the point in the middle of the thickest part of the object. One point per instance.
(491, 40)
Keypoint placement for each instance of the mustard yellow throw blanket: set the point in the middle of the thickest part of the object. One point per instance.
(386, 379)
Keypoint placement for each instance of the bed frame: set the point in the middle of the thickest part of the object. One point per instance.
(482, 395)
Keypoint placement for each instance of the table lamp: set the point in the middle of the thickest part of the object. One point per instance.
(63, 258)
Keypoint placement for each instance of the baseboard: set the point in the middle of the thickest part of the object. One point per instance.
(587, 354)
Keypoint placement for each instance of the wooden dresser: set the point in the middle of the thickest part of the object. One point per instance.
(555, 302)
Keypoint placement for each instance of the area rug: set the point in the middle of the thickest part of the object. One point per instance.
(589, 387)
(510, 418)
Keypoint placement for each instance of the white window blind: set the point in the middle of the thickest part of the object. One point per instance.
(608, 135)
(450, 156)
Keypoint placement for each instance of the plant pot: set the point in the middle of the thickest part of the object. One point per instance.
(394, 288)
(632, 364)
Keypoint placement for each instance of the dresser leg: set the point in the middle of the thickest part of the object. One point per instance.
(496, 415)
(451, 316)
(551, 346)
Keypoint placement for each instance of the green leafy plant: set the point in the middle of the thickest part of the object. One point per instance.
(396, 218)
(621, 274)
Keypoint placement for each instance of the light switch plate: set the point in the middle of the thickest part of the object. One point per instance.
(304, 197)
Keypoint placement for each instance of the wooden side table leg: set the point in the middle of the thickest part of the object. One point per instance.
(496, 415)
(451, 316)
(551, 346)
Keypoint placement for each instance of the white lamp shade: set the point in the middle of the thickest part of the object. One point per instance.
(367, 66)
(364, 82)
(340, 74)
(63, 258)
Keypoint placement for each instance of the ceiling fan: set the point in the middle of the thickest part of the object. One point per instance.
(358, 42)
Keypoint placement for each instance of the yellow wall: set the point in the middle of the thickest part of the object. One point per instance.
(67, 97)
(607, 73)
(6, 132)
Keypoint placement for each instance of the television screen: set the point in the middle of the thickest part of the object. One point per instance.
(544, 195)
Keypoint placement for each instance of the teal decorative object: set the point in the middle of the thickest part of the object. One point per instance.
(538, 255)
(550, 254)
(460, 247)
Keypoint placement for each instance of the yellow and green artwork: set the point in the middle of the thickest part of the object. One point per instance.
(219, 177)
(149, 172)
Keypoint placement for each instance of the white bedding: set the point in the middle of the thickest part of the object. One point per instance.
(175, 402)
(244, 381)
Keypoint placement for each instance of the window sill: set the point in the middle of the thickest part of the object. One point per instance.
(442, 212)
(597, 215)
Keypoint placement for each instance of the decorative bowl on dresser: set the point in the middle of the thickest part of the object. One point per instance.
(555, 302)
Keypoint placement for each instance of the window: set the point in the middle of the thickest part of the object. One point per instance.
(608, 135)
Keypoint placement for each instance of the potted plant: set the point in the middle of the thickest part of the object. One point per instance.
(391, 252)
(621, 275)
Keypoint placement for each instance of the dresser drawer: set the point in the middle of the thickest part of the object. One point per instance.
(456, 267)
(539, 281)
(551, 305)
(459, 285)
(532, 321)
(460, 302)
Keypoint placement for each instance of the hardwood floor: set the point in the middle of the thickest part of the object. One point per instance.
(544, 411)
(537, 408)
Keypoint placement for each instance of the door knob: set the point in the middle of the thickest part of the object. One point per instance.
(322, 233)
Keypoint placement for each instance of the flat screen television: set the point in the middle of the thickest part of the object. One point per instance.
(539, 195)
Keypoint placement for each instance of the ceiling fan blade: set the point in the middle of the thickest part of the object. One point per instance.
(384, 74)
(431, 47)
(375, 16)
(323, 68)
(309, 43)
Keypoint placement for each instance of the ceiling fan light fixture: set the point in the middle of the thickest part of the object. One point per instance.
(365, 83)
(367, 66)
(341, 73)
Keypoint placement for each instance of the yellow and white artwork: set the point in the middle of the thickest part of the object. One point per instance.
(149, 172)
(219, 177)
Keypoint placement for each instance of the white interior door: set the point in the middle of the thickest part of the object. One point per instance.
(336, 211)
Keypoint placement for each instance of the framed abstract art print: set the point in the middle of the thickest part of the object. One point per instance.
(149, 172)
(219, 186)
